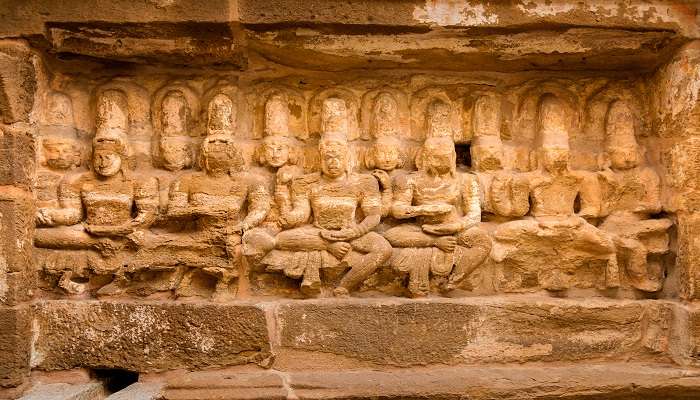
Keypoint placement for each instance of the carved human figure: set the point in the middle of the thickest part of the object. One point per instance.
(280, 155)
(61, 150)
(503, 193)
(174, 149)
(343, 208)
(385, 159)
(443, 207)
(113, 206)
(554, 224)
(217, 198)
(631, 194)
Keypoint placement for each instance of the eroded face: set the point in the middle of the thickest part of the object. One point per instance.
(386, 157)
(176, 154)
(106, 162)
(623, 158)
(334, 158)
(217, 156)
(440, 159)
(487, 157)
(555, 159)
(276, 152)
(61, 154)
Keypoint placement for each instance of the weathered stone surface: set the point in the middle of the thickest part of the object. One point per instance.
(19, 81)
(65, 391)
(15, 337)
(583, 381)
(140, 391)
(17, 148)
(227, 385)
(147, 336)
(16, 272)
(464, 331)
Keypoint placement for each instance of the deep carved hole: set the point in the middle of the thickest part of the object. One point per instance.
(115, 380)
(464, 156)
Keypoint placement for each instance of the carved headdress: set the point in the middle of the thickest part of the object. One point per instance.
(221, 113)
(385, 116)
(112, 123)
(619, 127)
(553, 125)
(438, 119)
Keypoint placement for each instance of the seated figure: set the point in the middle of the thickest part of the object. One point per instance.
(631, 193)
(555, 239)
(343, 208)
(280, 156)
(446, 211)
(503, 192)
(215, 199)
(114, 207)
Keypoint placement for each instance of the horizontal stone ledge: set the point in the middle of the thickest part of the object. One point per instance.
(148, 336)
(342, 333)
(580, 381)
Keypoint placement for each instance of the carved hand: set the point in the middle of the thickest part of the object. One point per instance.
(449, 228)
(110, 230)
(432, 209)
(341, 235)
(446, 243)
(383, 178)
(44, 217)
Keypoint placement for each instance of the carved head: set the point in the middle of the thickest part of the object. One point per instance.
(621, 143)
(334, 155)
(555, 159)
(61, 153)
(276, 151)
(174, 116)
(487, 153)
(439, 156)
(175, 153)
(109, 152)
(220, 154)
(221, 113)
(385, 154)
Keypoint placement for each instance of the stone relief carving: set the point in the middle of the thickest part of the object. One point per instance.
(384, 194)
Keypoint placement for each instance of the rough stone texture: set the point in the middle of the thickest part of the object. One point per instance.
(471, 331)
(139, 391)
(65, 391)
(189, 149)
(147, 337)
(585, 381)
(15, 338)
(19, 85)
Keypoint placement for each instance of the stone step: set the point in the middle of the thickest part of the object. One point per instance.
(572, 382)
(66, 391)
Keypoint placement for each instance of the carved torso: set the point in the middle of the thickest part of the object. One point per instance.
(554, 196)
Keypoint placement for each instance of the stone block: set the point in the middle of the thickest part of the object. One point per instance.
(15, 336)
(148, 336)
(139, 391)
(19, 85)
(17, 155)
(580, 381)
(444, 331)
(227, 385)
(66, 391)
